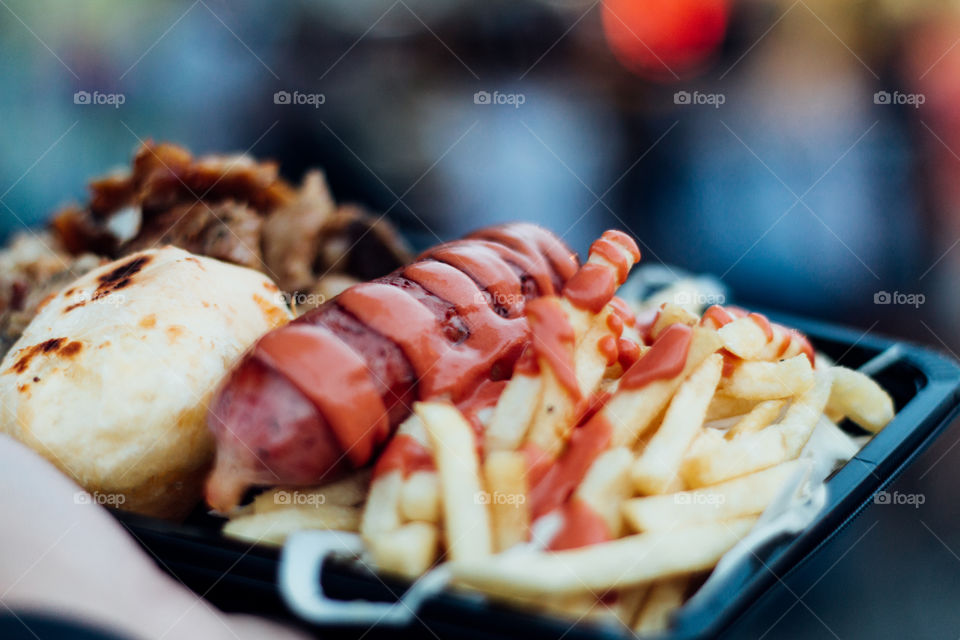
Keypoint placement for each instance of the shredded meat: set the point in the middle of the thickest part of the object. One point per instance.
(228, 207)
(227, 231)
(232, 208)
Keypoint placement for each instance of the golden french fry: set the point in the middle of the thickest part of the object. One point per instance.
(553, 418)
(632, 411)
(856, 396)
(505, 473)
(381, 513)
(466, 519)
(727, 406)
(589, 361)
(274, 526)
(759, 417)
(715, 460)
(663, 599)
(744, 496)
(409, 551)
(420, 497)
(759, 380)
(349, 491)
(606, 485)
(629, 604)
(672, 314)
(654, 471)
(744, 338)
(513, 413)
(617, 564)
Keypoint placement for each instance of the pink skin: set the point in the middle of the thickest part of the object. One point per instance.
(63, 554)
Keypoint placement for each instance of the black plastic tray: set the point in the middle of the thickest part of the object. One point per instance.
(242, 578)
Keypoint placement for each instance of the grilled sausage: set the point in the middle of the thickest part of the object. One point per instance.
(324, 393)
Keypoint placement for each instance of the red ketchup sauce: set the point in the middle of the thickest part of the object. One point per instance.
(609, 348)
(404, 454)
(664, 360)
(716, 317)
(562, 477)
(553, 339)
(628, 352)
(335, 379)
(623, 311)
(593, 286)
(582, 526)
(764, 324)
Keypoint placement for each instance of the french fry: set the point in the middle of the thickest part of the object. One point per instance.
(505, 474)
(744, 338)
(727, 406)
(381, 513)
(632, 411)
(408, 551)
(671, 314)
(856, 396)
(349, 491)
(663, 599)
(744, 496)
(654, 471)
(590, 362)
(382, 510)
(273, 527)
(720, 460)
(513, 413)
(420, 497)
(758, 380)
(759, 417)
(466, 519)
(617, 564)
(606, 485)
(553, 418)
(629, 604)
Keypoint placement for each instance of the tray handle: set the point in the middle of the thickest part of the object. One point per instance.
(301, 565)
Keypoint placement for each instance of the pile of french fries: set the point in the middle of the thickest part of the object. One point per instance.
(691, 463)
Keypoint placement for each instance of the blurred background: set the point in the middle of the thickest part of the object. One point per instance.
(807, 152)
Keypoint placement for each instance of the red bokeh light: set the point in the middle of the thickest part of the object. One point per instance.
(664, 39)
